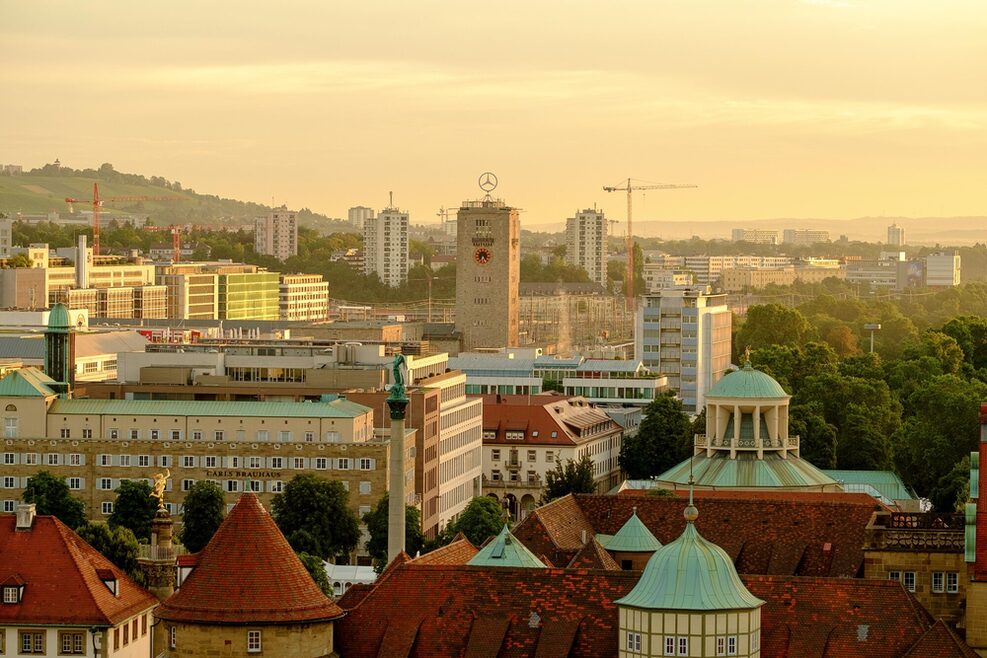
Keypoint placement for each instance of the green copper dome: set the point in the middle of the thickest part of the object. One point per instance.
(506, 551)
(690, 573)
(58, 318)
(747, 383)
(633, 537)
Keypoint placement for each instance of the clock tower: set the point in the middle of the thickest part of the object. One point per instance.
(488, 271)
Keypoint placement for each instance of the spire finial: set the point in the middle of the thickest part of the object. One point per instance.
(691, 513)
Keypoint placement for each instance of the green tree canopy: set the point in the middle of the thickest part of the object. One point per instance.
(817, 438)
(574, 477)
(376, 522)
(134, 508)
(203, 512)
(320, 508)
(117, 544)
(772, 324)
(317, 569)
(51, 495)
(481, 519)
(663, 439)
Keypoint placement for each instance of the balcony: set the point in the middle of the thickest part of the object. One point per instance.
(534, 482)
(916, 531)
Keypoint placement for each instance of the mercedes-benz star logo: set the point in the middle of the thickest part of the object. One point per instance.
(488, 182)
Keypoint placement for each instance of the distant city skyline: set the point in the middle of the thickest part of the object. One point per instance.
(787, 108)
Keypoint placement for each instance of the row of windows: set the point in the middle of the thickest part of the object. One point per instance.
(232, 461)
(942, 581)
(177, 435)
(678, 645)
(129, 632)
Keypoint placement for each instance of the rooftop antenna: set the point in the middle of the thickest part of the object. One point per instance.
(390, 204)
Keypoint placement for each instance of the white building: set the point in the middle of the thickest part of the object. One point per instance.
(385, 246)
(896, 235)
(277, 234)
(303, 297)
(803, 236)
(658, 278)
(942, 269)
(754, 235)
(6, 229)
(358, 216)
(586, 244)
(685, 334)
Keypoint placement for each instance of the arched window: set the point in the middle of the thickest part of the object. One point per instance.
(10, 407)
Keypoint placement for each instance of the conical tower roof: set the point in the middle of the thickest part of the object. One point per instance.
(248, 574)
(633, 537)
(506, 551)
(690, 573)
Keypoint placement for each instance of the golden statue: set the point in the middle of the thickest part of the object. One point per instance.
(160, 482)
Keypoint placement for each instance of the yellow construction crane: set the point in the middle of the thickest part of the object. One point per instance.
(630, 189)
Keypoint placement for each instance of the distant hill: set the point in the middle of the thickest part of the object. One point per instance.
(44, 190)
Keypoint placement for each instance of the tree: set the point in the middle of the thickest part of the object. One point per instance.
(574, 477)
(320, 507)
(376, 522)
(203, 514)
(817, 438)
(51, 496)
(772, 324)
(317, 569)
(482, 518)
(117, 544)
(663, 439)
(19, 260)
(134, 508)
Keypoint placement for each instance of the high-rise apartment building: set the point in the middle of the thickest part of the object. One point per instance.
(754, 235)
(685, 335)
(942, 269)
(488, 273)
(896, 235)
(803, 236)
(385, 246)
(358, 216)
(586, 244)
(277, 234)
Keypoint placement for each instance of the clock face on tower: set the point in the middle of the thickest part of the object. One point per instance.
(482, 256)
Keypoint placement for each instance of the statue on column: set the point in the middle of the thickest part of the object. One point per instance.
(160, 482)
(399, 369)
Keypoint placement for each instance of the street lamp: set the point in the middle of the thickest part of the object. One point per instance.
(872, 327)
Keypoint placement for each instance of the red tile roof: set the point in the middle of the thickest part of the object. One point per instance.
(443, 610)
(594, 556)
(804, 537)
(248, 574)
(61, 577)
(536, 413)
(459, 551)
(941, 642)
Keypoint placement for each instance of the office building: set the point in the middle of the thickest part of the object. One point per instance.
(685, 335)
(488, 274)
(359, 215)
(385, 246)
(896, 235)
(246, 293)
(586, 244)
(803, 236)
(942, 269)
(304, 297)
(191, 292)
(754, 235)
(656, 277)
(276, 234)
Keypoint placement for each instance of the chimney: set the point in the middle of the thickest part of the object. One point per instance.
(25, 516)
(584, 536)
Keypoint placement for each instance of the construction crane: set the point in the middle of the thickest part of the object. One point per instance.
(97, 201)
(176, 239)
(630, 189)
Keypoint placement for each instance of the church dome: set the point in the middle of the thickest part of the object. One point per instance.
(690, 574)
(747, 383)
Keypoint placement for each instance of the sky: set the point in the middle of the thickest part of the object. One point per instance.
(774, 108)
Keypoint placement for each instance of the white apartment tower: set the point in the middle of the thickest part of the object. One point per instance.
(685, 334)
(359, 215)
(942, 269)
(385, 246)
(896, 235)
(586, 244)
(277, 234)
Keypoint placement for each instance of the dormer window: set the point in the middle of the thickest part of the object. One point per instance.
(110, 580)
(12, 594)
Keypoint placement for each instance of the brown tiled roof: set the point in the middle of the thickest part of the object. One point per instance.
(458, 551)
(535, 413)
(63, 578)
(248, 574)
(941, 642)
(794, 536)
(594, 556)
(444, 610)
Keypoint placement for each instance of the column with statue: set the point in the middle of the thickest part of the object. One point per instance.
(157, 561)
(397, 402)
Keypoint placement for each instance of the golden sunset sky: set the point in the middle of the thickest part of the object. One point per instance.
(776, 108)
